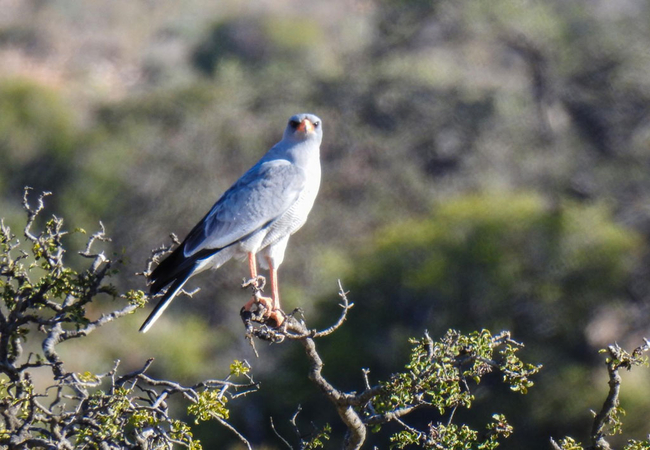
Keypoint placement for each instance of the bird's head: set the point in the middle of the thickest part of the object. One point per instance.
(303, 127)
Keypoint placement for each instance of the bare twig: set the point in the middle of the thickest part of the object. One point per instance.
(555, 445)
(233, 429)
(346, 305)
(283, 440)
(97, 236)
(32, 213)
(294, 419)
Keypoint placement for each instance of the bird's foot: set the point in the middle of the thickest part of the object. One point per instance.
(260, 309)
(276, 318)
(256, 311)
(259, 305)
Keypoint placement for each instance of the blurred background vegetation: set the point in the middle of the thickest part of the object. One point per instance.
(485, 165)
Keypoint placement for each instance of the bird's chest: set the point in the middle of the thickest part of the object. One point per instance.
(296, 216)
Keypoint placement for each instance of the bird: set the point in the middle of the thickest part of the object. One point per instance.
(256, 216)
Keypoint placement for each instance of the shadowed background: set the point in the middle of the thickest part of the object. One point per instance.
(485, 165)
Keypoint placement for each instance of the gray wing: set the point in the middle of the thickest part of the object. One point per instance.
(259, 197)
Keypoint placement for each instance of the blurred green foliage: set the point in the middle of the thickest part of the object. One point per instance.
(480, 256)
(257, 41)
(512, 261)
(37, 135)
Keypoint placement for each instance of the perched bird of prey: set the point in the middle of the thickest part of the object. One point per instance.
(257, 214)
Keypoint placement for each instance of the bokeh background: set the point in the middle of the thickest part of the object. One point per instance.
(485, 165)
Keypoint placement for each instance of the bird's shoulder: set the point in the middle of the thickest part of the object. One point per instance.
(262, 183)
(272, 169)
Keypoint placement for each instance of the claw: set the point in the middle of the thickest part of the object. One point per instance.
(261, 309)
(276, 318)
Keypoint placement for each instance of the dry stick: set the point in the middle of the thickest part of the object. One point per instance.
(356, 434)
(346, 305)
(293, 420)
(32, 213)
(280, 436)
(598, 441)
(231, 428)
(343, 402)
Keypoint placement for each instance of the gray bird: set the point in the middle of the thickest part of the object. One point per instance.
(258, 213)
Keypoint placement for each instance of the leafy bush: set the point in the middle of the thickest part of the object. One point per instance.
(46, 300)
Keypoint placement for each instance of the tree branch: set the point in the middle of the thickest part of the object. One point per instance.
(608, 414)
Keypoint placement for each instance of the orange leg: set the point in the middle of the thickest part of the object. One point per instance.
(252, 265)
(275, 293)
(276, 315)
(272, 305)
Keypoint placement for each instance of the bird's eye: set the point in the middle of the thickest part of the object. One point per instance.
(316, 124)
(294, 123)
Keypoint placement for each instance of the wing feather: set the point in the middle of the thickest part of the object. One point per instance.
(259, 197)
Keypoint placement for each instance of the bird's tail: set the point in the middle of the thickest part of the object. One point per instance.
(164, 302)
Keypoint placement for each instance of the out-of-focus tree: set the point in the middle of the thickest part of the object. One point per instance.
(38, 136)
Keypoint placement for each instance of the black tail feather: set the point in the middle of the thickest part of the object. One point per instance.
(167, 271)
(166, 300)
(174, 267)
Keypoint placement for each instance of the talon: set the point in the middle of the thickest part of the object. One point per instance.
(253, 305)
(276, 318)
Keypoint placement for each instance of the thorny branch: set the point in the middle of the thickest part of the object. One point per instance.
(39, 291)
(358, 411)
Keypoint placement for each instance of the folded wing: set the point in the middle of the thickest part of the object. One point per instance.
(255, 201)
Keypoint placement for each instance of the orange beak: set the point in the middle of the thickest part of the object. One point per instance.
(305, 126)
